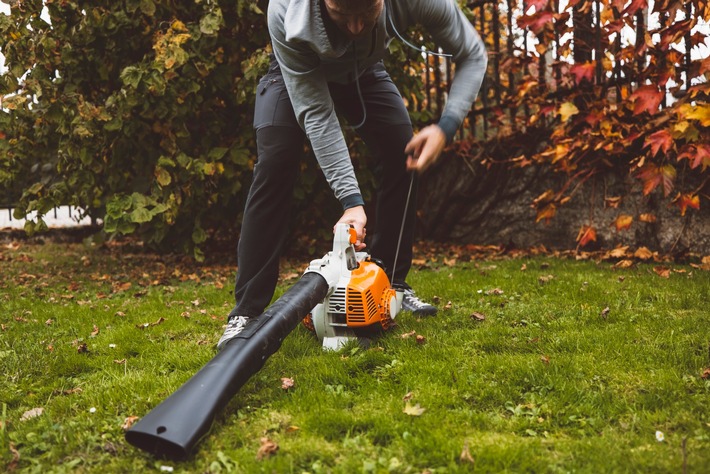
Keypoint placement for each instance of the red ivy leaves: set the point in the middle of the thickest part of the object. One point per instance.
(584, 71)
(652, 175)
(697, 155)
(646, 99)
(684, 201)
(660, 140)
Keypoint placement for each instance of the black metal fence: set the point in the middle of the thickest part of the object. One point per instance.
(539, 50)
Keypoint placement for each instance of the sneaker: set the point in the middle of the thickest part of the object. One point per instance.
(412, 303)
(235, 325)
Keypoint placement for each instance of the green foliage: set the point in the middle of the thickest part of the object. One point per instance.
(137, 111)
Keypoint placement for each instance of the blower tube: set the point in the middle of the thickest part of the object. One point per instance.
(175, 426)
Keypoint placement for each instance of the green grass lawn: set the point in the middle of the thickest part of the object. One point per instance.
(566, 366)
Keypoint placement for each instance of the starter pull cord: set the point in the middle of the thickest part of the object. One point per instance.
(401, 229)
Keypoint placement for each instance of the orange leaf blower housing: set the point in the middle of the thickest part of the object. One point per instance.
(361, 295)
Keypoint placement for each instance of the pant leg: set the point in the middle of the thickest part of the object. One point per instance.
(386, 131)
(268, 208)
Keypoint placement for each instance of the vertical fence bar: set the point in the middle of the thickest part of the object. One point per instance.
(486, 81)
(512, 110)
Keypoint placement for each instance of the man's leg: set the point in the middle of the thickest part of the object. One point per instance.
(268, 207)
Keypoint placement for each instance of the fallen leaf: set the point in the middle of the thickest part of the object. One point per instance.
(466, 454)
(267, 448)
(543, 279)
(413, 410)
(495, 291)
(624, 264)
(648, 218)
(292, 429)
(119, 361)
(706, 373)
(408, 396)
(447, 306)
(643, 253)
(605, 312)
(478, 316)
(95, 332)
(421, 339)
(12, 465)
(286, 383)
(664, 272)
(82, 348)
(33, 413)
(523, 267)
(408, 334)
(128, 422)
(545, 359)
(619, 252)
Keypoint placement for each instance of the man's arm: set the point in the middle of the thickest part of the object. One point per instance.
(314, 109)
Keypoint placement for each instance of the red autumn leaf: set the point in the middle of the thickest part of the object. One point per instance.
(538, 4)
(584, 71)
(652, 175)
(646, 99)
(635, 6)
(623, 222)
(586, 234)
(684, 201)
(660, 140)
(697, 155)
(537, 21)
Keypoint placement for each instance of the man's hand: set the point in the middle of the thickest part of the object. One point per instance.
(424, 148)
(356, 217)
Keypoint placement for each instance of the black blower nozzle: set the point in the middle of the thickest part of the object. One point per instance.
(175, 426)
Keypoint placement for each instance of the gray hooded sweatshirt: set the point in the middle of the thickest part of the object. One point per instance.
(310, 57)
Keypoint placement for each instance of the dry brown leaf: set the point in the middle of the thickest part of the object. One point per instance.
(605, 312)
(663, 272)
(95, 332)
(421, 339)
(267, 448)
(466, 454)
(408, 396)
(706, 373)
(495, 291)
(128, 422)
(545, 359)
(643, 253)
(543, 279)
(648, 218)
(408, 334)
(619, 252)
(119, 361)
(286, 383)
(624, 264)
(448, 305)
(12, 465)
(82, 348)
(478, 316)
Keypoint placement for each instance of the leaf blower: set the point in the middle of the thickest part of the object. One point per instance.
(339, 294)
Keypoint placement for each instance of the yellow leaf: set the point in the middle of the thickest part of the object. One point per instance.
(701, 113)
(567, 110)
(413, 410)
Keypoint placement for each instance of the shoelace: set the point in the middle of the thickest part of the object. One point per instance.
(412, 299)
(235, 326)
